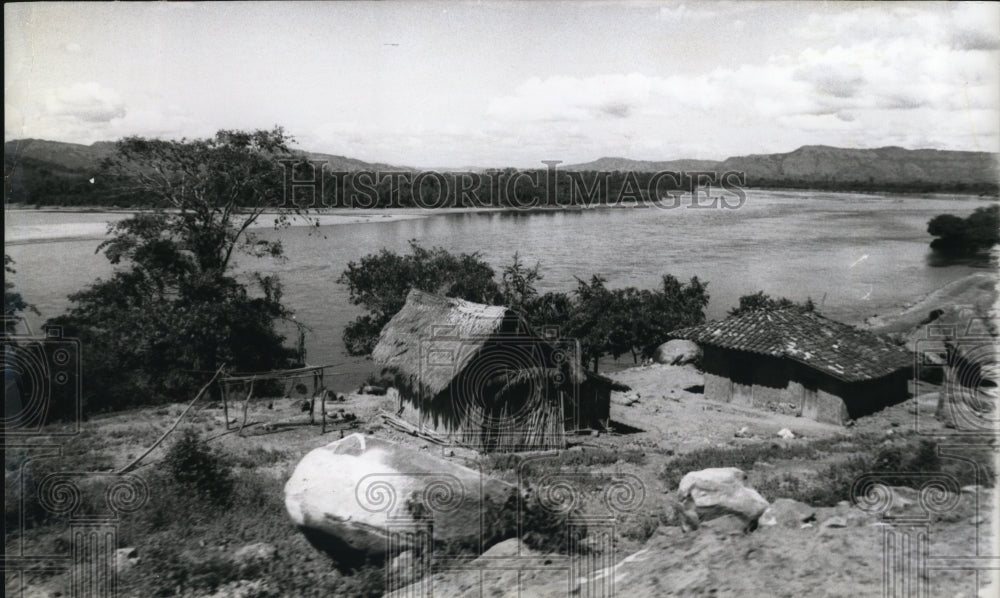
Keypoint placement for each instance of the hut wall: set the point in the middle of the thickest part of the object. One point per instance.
(761, 381)
(716, 366)
(869, 396)
(592, 408)
(771, 382)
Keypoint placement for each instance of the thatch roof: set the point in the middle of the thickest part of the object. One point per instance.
(457, 329)
(829, 346)
(433, 338)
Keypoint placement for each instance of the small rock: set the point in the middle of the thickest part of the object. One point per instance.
(977, 519)
(974, 489)
(722, 491)
(125, 559)
(787, 513)
(742, 432)
(834, 522)
(786, 434)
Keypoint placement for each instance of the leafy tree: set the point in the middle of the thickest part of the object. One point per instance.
(174, 311)
(605, 321)
(592, 321)
(517, 284)
(380, 281)
(760, 300)
(13, 302)
(980, 230)
(674, 305)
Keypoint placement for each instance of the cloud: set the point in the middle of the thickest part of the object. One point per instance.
(893, 77)
(681, 12)
(88, 102)
(827, 79)
(561, 98)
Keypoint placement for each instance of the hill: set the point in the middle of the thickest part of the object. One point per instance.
(625, 164)
(881, 165)
(819, 166)
(44, 172)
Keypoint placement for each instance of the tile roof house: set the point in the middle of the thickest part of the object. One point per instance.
(800, 362)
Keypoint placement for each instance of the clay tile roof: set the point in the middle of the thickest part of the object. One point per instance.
(831, 347)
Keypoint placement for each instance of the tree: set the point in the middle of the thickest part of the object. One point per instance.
(174, 312)
(517, 285)
(13, 302)
(979, 231)
(760, 300)
(674, 305)
(591, 319)
(380, 281)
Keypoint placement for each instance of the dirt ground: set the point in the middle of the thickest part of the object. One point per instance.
(654, 424)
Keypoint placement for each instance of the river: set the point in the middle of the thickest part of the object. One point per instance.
(854, 254)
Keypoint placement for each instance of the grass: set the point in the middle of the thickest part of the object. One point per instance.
(184, 506)
(851, 458)
(536, 467)
(204, 505)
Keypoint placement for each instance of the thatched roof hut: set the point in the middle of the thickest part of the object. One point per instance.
(479, 373)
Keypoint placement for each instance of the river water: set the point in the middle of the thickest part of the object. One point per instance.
(855, 255)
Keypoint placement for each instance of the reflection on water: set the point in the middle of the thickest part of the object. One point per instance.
(937, 258)
(855, 255)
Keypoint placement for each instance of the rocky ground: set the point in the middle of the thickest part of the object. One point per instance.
(662, 431)
(810, 540)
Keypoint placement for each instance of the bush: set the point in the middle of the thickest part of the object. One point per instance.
(192, 465)
(892, 466)
(980, 230)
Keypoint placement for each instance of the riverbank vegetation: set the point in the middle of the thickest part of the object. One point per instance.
(173, 311)
(616, 322)
(966, 236)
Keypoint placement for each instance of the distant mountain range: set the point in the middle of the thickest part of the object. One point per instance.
(55, 173)
(818, 163)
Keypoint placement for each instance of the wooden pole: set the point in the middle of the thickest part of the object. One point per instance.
(246, 405)
(225, 403)
(322, 413)
(128, 467)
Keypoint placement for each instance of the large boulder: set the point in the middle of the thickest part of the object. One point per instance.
(721, 491)
(678, 352)
(348, 496)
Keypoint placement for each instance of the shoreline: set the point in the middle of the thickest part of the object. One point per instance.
(97, 231)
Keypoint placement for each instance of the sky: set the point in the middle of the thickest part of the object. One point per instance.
(427, 84)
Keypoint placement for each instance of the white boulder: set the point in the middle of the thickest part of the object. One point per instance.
(677, 352)
(720, 491)
(347, 496)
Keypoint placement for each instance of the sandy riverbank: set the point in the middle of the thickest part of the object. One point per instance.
(19, 231)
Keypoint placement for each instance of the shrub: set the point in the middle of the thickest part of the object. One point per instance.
(195, 467)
